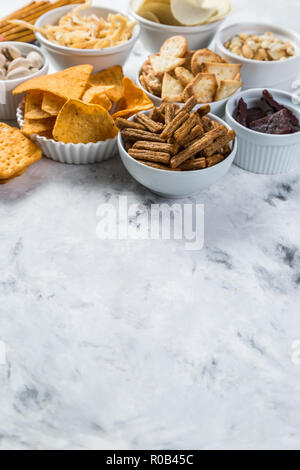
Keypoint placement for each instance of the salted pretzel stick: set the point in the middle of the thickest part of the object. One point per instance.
(197, 146)
(27, 38)
(186, 128)
(21, 11)
(195, 164)
(136, 134)
(219, 144)
(157, 157)
(188, 106)
(158, 166)
(156, 147)
(214, 159)
(174, 125)
(150, 125)
(122, 123)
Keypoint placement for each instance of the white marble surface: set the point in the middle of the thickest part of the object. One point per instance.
(140, 345)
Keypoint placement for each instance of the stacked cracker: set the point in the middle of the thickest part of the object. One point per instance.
(174, 138)
(17, 153)
(30, 13)
(176, 74)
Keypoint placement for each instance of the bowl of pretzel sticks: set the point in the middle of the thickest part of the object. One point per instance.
(176, 150)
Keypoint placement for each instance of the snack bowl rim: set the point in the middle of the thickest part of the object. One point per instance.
(175, 174)
(257, 92)
(87, 52)
(17, 81)
(284, 32)
(174, 28)
(159, 99)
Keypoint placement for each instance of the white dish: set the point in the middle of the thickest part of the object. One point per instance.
(101, 59)
(217, 107)
(264, 153)
(8, 102)
(75, 154)
(172, 184)
(257, 74)
(153, 35)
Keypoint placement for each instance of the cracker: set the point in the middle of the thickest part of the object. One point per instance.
(203, 88)
(227, 88)
(17, 152)
(222, 71)
(202, 57)
(176, 46)
(184, 76)
(162, 65)
(172, 89)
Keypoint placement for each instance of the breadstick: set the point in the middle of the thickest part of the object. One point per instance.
(195, 164)
(219, 143)
(214, 159)
(188, 106)
(136, 134)
(156, 147)
(186, 128)
(157, 157)
(158, 166)
(150, 125)
(174, 125)
(122, 123)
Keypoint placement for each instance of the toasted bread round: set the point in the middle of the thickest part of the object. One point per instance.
(177, 46)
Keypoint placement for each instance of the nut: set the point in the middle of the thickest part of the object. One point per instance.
(11, 53)
(18, 73)
(2, 74)
(17, 63)
(265, 47)
(3, 60)
(35, 60)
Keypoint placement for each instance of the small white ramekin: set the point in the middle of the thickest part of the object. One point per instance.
(9, 102)
(217, 107)
(257, 74)
(65, 57)
(72, 154)
(173, 184)
(153, 35)
(264, 153)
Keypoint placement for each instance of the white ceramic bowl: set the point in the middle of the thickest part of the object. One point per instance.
(153, 35)
(217, 107)
(264, 153)
(101, 59)
(172, 184)
(8, 102)
(257, 74)
(75, 154)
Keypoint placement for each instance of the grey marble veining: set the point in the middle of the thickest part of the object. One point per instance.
(123, 344)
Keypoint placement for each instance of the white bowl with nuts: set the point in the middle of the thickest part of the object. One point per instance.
(18, 63)
(270, 55)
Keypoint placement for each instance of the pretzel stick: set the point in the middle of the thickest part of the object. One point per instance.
(20, 11)
(157, 157)
(27, 38)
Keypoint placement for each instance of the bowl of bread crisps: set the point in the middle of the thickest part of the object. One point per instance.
(270, 55)
(175, 150)
(18, 62)
(177, 73)
(99, 36)
(197, 20)
(71, 114)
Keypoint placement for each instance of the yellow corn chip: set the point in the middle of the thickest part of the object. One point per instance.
(33, 106)
(79, 122)
(93, 91)
(68, 84)
(38, 126)
(17, 152)
(103, 101)
(134, 100)
(112, 76)
(52, 104)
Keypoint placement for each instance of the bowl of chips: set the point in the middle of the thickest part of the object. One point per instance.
(197, 20)
(177, 73)
(99, 36)
(71, 114)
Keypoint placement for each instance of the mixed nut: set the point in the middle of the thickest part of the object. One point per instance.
(266, 47)
(14, 65)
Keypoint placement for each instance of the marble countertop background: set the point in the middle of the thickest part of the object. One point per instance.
(143, 344)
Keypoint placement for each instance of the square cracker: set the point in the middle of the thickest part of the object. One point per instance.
(172, 89)
(222, 71)
(203, 88)
(161, 65)
(17, 152)
(227, 88)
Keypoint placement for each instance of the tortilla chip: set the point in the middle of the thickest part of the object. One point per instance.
(38, 126)
(68, 84)
(93, 91)
(103, 101)
(79, 122)
(52, 104)
(33, 106)
(133, 101)
(17, 152)
(110, 77)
